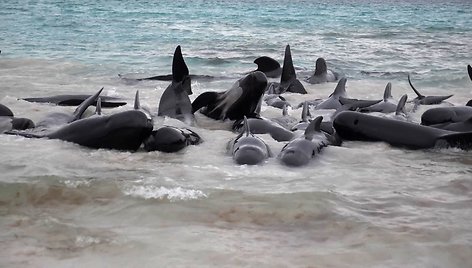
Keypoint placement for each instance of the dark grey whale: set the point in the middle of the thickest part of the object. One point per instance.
(270, 67)
(358, 126)
(322, 74)
(440, 115)
(175, 101)
(248, 149)
(300, 151)
(171, 139)
(288, 80)
(242, 99)
(74, 100)
(426, 100)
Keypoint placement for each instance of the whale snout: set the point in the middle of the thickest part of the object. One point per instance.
(249, 155)
(294, 158)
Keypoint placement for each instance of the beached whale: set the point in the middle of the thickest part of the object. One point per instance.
(242, 99)
(74, 100)
(270, 67)
(322, 74)
(440, 115)
(333, 102)
(175, 101)
(358, 126)
(386, 105)
(53, 120)
(288, 80)
(426, 100)
(248, 149)
(300, 151)
(171, 139)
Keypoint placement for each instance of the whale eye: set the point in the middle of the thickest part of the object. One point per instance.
(356, 122)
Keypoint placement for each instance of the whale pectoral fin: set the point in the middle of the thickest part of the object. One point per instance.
(79, 111)
(204, 100)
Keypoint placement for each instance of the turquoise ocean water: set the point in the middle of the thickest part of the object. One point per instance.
(359, 205)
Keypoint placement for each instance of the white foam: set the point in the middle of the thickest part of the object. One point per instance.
(172, 194)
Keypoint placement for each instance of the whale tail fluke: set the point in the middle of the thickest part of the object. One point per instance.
(414, 89)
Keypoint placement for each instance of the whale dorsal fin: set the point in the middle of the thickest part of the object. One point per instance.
(401, 105)
(79, 111)
(388, 92)
(469, 70)
(340, 90)
(320, 67)
(98, 107)
(179, 68)
(414, 89)
(305, 112)
(469, 103)
(137, 103)
(314, 126)
(247, 129)
(288, 71)
(266, 64)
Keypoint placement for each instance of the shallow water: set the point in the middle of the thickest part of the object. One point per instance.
(359, 205)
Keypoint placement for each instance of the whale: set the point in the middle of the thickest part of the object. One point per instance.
(386, 105)
(74, 100)
(8, 123)
(440, 115)
(333, 102)
(53, 120)
(322, 74)
(276, 101)
(170, 139)
(288, 79)
(286, 120)
(300, 151)
(5, 111)
(462, 126)
(258, 125)
(124, 131)
(175, 101)
(247, 148)
(242, 99)
(364, 127)
(426, 100)
(269, 66)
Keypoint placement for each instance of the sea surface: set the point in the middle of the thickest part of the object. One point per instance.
(359, 205)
